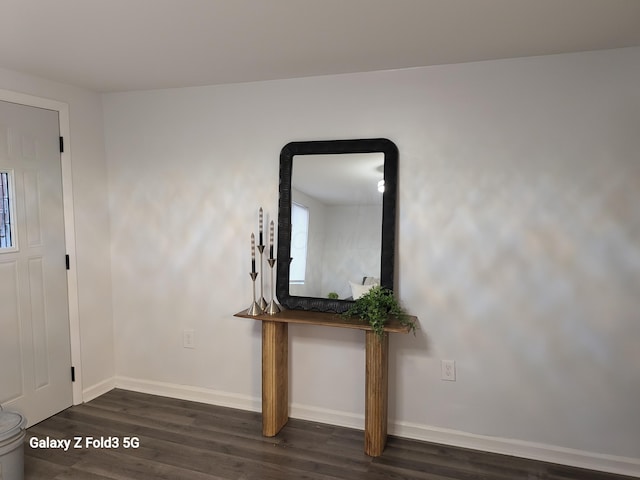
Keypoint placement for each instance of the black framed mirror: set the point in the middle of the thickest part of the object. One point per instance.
(342, 196)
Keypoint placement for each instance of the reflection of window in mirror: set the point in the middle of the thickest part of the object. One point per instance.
(299, 241)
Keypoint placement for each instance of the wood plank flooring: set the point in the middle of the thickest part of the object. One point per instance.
(187, 440)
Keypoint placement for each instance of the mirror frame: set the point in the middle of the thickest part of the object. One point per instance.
(387, 254)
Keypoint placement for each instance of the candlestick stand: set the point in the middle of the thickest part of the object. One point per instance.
(261, 301)
(254, 309)
(273, 307)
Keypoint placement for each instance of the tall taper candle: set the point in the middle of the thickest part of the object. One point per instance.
(271, 240)
(253, 253)
(260, 227)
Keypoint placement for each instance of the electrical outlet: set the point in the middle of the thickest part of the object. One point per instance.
(188, 339)
(448, 370)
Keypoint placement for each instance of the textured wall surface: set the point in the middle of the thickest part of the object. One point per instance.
(518, 241)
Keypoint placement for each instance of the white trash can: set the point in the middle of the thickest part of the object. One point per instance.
(12, 435)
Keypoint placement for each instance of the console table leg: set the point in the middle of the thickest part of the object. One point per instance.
(275, 377)
(376, 390)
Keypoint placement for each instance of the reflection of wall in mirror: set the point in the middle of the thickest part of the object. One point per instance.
(353, 239)
(344, 245)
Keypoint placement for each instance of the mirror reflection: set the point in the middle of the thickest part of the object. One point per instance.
(336, 224)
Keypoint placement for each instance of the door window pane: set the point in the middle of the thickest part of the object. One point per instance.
(6, 198)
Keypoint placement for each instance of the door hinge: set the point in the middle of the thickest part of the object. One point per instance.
(73, 374)
(66, 261)
(61, 145)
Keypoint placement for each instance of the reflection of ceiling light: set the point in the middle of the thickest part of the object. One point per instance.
(381, 186)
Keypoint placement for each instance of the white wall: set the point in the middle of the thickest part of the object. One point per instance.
(519, 246)
(92, 220)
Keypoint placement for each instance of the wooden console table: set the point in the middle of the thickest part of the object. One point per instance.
(275, 371)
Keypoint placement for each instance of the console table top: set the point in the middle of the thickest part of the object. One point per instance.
(325, 319)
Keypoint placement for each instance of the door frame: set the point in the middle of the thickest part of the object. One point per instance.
(69, 224)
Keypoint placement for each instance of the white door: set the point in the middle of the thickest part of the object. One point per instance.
(35, 353)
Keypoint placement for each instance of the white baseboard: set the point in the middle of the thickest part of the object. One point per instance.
(193, 394)
(323, 415)
(98, 389)
(518, 448)
(505, 446)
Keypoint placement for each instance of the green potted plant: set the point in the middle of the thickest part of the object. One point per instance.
(377, 306)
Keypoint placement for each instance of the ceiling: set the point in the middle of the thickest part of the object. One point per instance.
(118, 45)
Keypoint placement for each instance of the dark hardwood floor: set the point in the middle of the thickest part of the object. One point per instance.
(187, 440)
